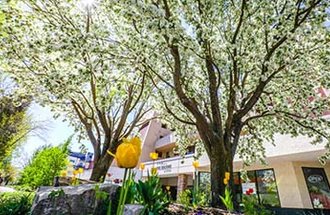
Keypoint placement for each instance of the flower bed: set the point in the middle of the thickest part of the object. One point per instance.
(178, 209)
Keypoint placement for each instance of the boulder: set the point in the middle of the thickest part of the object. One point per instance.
(74, 200)
(67, 181)
(132, 209)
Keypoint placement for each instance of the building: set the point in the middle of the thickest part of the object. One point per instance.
(81, 160)
(293, 177)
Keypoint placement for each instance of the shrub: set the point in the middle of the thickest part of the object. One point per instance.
(45, 165)
(227, 199)
(251, 206)
(185, 199)
(151, 195)
(15, 203)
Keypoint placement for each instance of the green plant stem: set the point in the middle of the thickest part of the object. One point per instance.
(126, 185)
(109, 208)
(121, 203)
(196, 189)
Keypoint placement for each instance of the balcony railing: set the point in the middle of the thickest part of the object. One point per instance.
(164, 141)
(169, 166)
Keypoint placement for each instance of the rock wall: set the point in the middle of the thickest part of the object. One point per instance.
(74, 200)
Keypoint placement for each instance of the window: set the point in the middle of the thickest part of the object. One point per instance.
(318, 187)
(266, 187)
(204, 181)
(190, 150)
(262, 183)
(237, 187)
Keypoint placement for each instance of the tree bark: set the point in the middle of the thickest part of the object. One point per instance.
(221, 162)
(217, 176)
(100, 168)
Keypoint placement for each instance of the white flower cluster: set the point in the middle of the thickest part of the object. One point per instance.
(219, 66)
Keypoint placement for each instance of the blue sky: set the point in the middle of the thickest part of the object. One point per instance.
(56, 131)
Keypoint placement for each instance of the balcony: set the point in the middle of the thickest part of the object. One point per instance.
(171, 166)
(165, 142)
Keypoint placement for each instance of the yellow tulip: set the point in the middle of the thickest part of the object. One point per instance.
(168, 187)
(154, 155)
(76, 172)
(136, 141)
(195, 164)
(80, 170)
(227, 175)
(225, 181)
(128, 152)
(153, 171)
(142, 166)
(63, 173)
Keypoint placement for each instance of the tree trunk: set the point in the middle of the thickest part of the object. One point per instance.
(217, 175)
(220, 164)
(100, 168)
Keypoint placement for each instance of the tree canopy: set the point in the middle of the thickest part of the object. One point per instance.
(62, 53)
(237, 71)
(260, 63)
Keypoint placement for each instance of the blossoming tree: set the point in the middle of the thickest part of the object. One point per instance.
(65, 54)
(238, 71)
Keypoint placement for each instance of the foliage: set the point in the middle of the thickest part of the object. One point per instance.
(102, 204)
(251, 206)
(185, 199)
(56, 193)
(16, 203)
(227, 199)
(199, 198)
(151, 195)
(267, 45)
(100, 195)
(205, 185)
(7, 170)
(231, 70)
(63, 54)
(45, 165)
(74, 180)
(123, 191)
(23, 188)
(14, 120)
(131, 190)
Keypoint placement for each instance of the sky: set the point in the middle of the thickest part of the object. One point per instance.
(56, 131)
